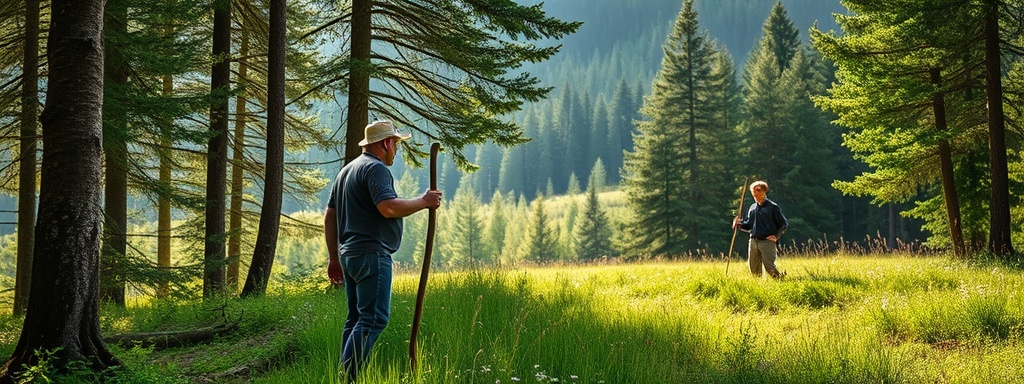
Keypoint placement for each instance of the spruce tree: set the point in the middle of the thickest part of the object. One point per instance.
(805, 192)
(63, 307)
(621, 114)
(786, 140)
(541, 242)
(511, 174)
(933, 70)
(497, 222)
(592, 233)
(146, 118)
(662, 177)
(780, 36)
(597, 176)
(463, 79)
(599, 124)
(488, 158)
(462, 243)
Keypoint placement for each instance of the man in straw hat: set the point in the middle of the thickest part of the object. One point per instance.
(363, 228)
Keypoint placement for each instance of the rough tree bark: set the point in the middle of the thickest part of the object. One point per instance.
(27, 165)
(270, 216)
(63, 307)
(949, 195)
(999, 204)
(359, 77)
(115, 195)
(214, 274)
(237, 164)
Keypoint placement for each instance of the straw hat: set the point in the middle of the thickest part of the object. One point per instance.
(380, 130)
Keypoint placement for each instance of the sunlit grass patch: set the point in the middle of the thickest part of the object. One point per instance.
(831, 319)
(818, 294)
(954, 317)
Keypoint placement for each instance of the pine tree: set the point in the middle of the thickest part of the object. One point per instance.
(463, 238)
(27, 144)
(461, 82)
(662, 176)
(214, 253)
(786, 140)
(565, 228)
(511, 174)
(63, 308)
(598, 132)
(573, 187)
(540, 240)
(558, 146)
(620, 128)
(780, 36)
(488, 158)
(592, 233)
(933, 70)
(804, 191)
(597, 176)
(494, 233)
(517, 233)
(144, 118)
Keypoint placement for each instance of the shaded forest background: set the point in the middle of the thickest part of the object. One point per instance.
(169, 145)
(599, 79)
(532, 195)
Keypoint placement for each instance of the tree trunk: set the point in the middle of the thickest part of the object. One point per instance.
(891, 243)
(112, 254)
(237, 168)
(270, 216)
(163, 241)
(999, 205)
(63, 308)
(216, 158)
(949, 195)
(27, 164)
(359, 77)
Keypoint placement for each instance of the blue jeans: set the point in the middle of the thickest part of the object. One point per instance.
(368, 289)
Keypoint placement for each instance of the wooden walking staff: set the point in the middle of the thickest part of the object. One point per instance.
(739, 211)
(431, 225)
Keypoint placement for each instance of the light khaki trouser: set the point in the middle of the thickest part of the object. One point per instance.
(762, 252)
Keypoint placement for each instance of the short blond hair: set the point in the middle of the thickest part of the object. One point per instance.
(758, 184)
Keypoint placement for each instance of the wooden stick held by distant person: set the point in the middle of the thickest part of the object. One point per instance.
(728, 256)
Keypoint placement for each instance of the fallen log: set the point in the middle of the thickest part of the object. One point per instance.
(170, 339)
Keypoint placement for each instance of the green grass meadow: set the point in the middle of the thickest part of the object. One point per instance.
(854, 319)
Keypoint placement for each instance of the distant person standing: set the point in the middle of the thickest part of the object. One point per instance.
(766, 224)
(363, 228)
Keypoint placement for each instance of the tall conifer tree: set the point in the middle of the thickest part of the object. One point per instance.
(896, 64)
(785, 140)
(592, 232)
(462, 244)
(621, 114)
(662, 176)
(541, 242)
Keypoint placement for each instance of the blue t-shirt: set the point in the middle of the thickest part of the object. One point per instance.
(360, 185)
(763, 220)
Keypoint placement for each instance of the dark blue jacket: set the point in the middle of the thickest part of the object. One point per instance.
(764, 220)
